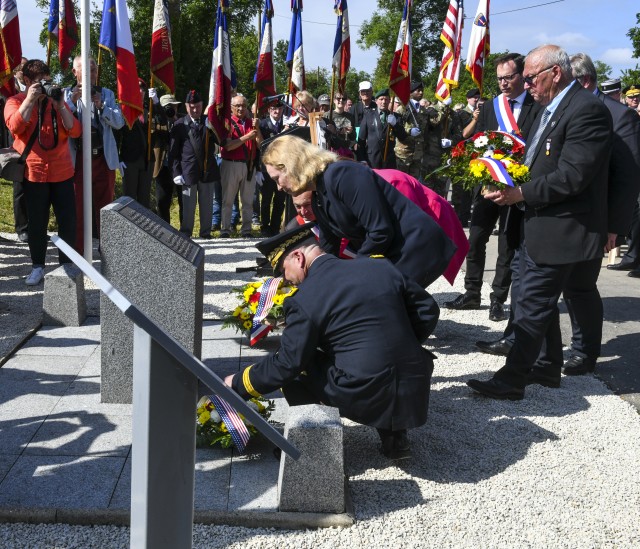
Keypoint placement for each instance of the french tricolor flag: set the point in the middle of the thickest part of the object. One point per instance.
(400, 77)
(496, 169)
(264, 78)
(295, 54)
(115, 36)
(161, 51)
(341, 45)
(220, 84)
(10, 45)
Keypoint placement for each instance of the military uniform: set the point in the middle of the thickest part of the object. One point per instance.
(353, 341)
(409, 151)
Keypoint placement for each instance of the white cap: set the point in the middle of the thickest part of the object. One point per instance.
(366, 85)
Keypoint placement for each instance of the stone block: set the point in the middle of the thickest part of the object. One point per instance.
(314, 483)
(63, 303)
(162, 272)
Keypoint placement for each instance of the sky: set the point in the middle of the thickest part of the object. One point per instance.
(595, 27)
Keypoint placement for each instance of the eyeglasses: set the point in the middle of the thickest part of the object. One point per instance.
(531, 79)
(339, 98)
(507, 77)
(238, 105)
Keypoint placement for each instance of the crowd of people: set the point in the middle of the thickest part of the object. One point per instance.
(372, 190)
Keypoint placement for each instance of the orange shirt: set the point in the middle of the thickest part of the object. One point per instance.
(43, 166)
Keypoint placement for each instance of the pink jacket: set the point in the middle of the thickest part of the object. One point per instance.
(438, 208)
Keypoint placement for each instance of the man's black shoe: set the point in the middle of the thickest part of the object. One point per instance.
(216, 227)
(496, 311)
(540, 376)
(23, 236)
(578, 366)
(463, 302)
(500, 347)
(634, 274)
(494, 388)
(622, 266)
(395, 444)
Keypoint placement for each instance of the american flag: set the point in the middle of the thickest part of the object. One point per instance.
(236, 427)
(451, 35)
(267, 292)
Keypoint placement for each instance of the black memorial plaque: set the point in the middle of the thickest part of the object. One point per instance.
(158, 229)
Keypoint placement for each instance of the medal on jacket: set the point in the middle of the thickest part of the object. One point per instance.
(548, 147)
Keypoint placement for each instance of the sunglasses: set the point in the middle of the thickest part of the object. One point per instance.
(531, 79)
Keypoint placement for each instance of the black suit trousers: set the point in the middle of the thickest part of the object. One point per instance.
(585, 309)
(483, 219)
(537, 318)
(271, 216)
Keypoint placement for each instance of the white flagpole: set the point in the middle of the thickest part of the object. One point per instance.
(87, 199)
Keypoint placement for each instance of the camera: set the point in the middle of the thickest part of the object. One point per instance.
(51, 90)
(169, 111)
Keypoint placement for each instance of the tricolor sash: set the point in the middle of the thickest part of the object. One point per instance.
(504, 114)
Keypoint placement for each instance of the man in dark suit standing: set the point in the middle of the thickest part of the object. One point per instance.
(270, 217)
(378, 131)
(565, 216)
(513, 111)
(332, 350)
(583, 299)
(194, 166)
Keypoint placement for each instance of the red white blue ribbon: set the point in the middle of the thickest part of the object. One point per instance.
(504, 114)
(267, 293)
(496, 169)
(236, 427)
(513, 137)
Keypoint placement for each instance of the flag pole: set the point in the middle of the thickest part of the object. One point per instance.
(87, 199)
(49, 50)
(333, 90)
(99, 65)
(149, 119)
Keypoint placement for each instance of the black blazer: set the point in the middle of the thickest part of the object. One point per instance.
(528, 113)
(355, 328)
(351, 201)
(373, 138)
(566, 199)
(624, 167)
(183, 158)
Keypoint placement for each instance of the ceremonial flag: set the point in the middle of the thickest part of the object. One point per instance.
(400, 77)
(115, 36)
(341, 45)
(479, 43)
(295, 56)
(161, 52)
(10, 45)
(62, 25)
(267, 292)
(236, 427)
(264, 79)
(220, 84)
(451, 35)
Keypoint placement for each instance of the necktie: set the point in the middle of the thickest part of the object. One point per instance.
(383, 117)
(512, 104)
(534, 142)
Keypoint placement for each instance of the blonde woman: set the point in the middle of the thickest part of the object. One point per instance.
(351, 201)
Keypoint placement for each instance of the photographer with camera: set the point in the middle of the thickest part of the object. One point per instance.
(39, 117)
(106, 117)
(163, 119)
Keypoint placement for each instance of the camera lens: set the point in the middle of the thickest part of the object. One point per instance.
(170, 112)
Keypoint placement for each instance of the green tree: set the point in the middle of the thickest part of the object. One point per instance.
(634, 34)
(381, 32)
(602, 70)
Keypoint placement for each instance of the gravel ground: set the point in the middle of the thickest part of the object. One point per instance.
(558, 469)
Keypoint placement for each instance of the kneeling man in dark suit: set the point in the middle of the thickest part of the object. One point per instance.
(353, 339)
(565, 216)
